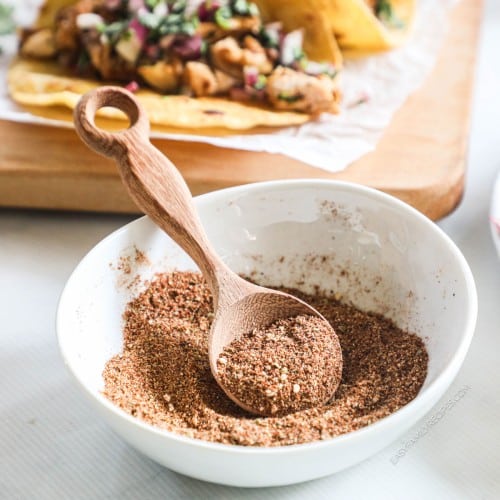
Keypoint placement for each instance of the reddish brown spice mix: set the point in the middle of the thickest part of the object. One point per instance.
(291, 365)
(163, 375)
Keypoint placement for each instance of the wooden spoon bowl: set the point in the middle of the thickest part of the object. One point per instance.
(159, 190)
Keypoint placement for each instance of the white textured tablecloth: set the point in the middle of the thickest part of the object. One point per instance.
(54, 447)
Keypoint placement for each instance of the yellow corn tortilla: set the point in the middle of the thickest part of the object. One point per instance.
(358, 30)
(48, 11)
(38, 83)
(309, 15)
(44, 86)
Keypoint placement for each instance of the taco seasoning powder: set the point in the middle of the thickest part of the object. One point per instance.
(293, 364)
(163, 375)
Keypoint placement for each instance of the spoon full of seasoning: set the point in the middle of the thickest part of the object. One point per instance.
(270, 352)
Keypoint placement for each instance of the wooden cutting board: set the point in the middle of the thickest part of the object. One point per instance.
(420, 159)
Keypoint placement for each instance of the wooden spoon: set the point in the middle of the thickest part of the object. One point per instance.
(159, 190)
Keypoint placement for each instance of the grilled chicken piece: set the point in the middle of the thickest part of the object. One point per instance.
(229, 57)
(225, 82)
(236, 27)
(209, 30)
(291, 90)
(39, 44)
(244, 24)
(67, 34)
(200, 79)
(252, 44)
(106, 62)
(163, 76)
(226, 56)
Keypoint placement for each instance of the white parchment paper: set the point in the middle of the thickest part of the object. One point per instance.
(374, 88)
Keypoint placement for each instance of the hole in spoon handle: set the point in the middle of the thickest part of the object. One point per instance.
(111, 144)
(151, 179)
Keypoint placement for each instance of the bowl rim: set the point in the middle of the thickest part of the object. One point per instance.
(443, 379)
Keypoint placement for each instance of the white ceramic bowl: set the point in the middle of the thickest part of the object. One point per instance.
(401, 264)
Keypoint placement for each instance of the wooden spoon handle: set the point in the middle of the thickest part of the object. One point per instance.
(153, 181)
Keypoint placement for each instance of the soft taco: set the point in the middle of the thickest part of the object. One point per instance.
(212, 63)
(370, 25)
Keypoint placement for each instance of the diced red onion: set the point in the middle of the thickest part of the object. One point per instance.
(188, 48)
(250, 75)
(141, 31)
(206, 13)
(152, 51)
(132, 86)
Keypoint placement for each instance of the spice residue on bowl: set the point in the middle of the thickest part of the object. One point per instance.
(293, 364)
(163, 375)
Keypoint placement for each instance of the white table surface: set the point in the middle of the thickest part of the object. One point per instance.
(52, 445)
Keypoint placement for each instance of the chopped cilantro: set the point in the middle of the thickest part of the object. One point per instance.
(260, 83)
(240, 7)
(126, 35)
(223, 17)
(298, 54)
(174, 19)
(177, 23)
(83, 63)
(184, 28)
(253, 9)
(149, 20)
(6, 21)
(244, 8)
(113, 31)
(316, 68)
(385, 12)
(168, 29)
(269, 38)
(284, 96)
(179, 6)
(331, 72)
(204, 48)
(189, 27)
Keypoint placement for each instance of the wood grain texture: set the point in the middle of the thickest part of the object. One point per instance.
(151, 180)
(420, 159)
(158, 189)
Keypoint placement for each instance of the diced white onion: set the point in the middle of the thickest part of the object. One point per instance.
(88, 20)
(129, 47)
(104, 39)
(291, 44)
(161, 10)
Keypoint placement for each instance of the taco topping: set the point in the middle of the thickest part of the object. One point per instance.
(207, 48)
(384, 11)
